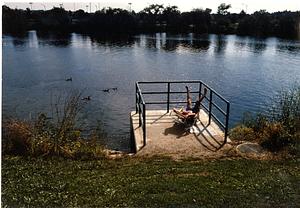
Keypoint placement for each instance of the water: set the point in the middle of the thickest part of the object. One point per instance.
(246, 71)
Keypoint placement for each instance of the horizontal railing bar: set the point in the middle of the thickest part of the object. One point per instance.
(171, 102)
(204, 107)
(216, 119)
(165, 82)
(220, 109)
(153, 93)
(207, 86)
(155, 102)
(158, 102)
(190, 81)
(164, 102)
(171, 92)
(220, 96)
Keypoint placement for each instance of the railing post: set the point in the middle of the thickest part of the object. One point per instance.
(144, 123)
(200, 88)
(168, 98)
(210, 107)
(227, 122)
(139, 109)
(136, 97)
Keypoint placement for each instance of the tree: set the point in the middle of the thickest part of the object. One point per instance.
(223, 9)
(171, 16)
(154, 9)
(14, 21)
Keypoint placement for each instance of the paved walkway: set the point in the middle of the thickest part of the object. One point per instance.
(165, 137)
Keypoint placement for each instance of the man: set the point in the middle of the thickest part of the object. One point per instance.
(190, 111)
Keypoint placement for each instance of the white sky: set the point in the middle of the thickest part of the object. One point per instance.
(183, 5)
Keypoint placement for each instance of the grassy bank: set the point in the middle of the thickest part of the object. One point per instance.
(156, 182)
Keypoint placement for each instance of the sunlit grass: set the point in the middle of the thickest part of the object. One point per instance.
(160, 182)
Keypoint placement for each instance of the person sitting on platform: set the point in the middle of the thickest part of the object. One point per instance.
(190, 111)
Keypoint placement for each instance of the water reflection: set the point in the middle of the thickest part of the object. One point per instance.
(97, 62)
(112, 40)
(175, 42)
(80, 40)
(287, 46)
(240, 42)
(150, 42)
(54, 39)
(257, 45)
(18, 42)
(32, 39)
(220, 43)
(170, 45)
(200, 45)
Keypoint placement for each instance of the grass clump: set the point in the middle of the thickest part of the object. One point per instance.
(279, 129)
(56, 136)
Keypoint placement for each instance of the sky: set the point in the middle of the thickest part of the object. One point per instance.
(249, 6)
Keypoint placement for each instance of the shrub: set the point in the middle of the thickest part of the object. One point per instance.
(277, 131)
(286, 109)
(242, 133)
(257, 122)
(57, 137)
(16, 137)
(273, 136)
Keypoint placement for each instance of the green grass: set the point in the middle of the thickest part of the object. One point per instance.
(156, 182)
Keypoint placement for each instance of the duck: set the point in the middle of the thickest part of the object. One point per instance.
(105, 90)
(114, 88)
(86, 98)
(69, 79)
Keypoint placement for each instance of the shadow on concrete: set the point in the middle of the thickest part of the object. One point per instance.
(158, 119)
(212, 143)
(203, 136)
(177, 129)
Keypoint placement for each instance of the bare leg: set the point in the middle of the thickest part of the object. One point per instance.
(181, 114)
(204, 94)
(197, 106)
(188, 98)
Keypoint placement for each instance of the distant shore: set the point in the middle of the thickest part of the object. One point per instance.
(155, 18)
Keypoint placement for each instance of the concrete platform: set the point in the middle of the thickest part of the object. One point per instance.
(165, 137)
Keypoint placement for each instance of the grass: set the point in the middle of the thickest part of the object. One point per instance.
(156, 182)
(47, 164)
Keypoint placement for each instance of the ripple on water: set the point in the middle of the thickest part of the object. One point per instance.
(246, 71)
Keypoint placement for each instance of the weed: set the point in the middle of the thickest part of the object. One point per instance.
(277, 131)
(57, 137)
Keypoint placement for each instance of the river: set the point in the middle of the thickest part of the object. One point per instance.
(247, 71)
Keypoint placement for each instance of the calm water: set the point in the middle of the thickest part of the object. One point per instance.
(246, 71)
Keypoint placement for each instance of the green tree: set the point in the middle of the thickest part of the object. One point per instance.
(223, 9)
(154, 9)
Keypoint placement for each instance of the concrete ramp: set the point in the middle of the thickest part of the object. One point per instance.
(167, 137)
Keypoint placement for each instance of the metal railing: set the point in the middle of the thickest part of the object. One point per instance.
(210, 97)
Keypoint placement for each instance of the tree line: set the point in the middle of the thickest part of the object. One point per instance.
(153, 18)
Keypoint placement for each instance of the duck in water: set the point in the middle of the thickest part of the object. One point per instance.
(86, 98)
(69, 79)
